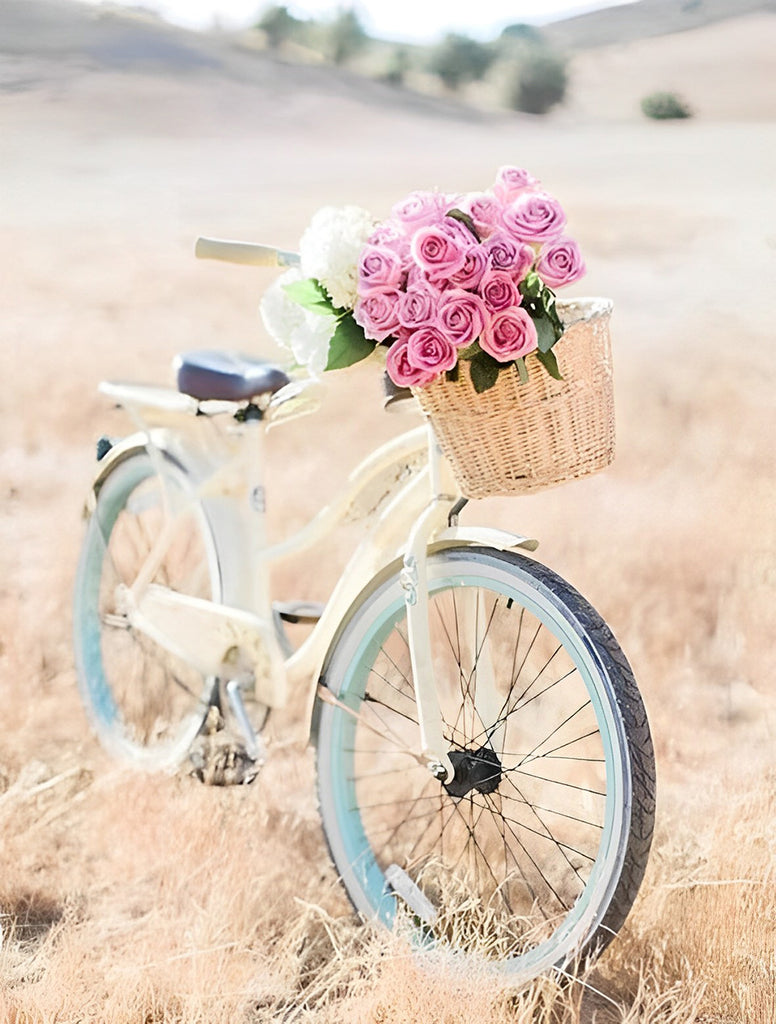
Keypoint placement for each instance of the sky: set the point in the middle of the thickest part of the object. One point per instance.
(402, 20)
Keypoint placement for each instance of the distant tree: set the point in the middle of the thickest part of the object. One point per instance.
(398, 66)
(522, 33)
(664, 106)
(344, 36)
(538, 83)
(459, 59)
(278, 25)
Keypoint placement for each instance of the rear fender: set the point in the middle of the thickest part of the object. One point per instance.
(225, 524)
(119, 451)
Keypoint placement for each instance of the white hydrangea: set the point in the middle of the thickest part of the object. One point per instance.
(305, 334)
(330, 249)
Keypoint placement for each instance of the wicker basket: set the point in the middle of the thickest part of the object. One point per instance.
(517, 438)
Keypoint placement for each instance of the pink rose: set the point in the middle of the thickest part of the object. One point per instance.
(428, 349)
(485, 211)
(459, 232)
(419, 210)
(400, 369)
(387, 233)
(510, 335)
(534, 217)
(462, 316)
(437, 252)
(391, 235)
(508, 254)
(499, 291)
(377, 313)
(418, 306)
(560, 263)
(379, 268)
(416, 278)
(474, 266)
(511, 181)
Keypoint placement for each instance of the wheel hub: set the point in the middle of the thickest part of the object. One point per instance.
(474, 769)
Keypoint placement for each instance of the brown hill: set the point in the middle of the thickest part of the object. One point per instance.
(59, 40)
(724, 71)
(722, 65)
(646, 19)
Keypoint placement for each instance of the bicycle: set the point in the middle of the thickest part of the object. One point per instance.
(485, 768)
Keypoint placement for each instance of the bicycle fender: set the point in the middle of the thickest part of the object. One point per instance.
(118, 451)
(454, 536)
(133, 444)
(484, 536)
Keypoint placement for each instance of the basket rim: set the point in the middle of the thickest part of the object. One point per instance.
(583, 309)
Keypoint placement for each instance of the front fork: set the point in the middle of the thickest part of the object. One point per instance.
(439, 522)
(414, 581)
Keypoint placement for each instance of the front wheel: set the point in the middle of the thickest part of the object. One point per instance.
(533, 854)
(146, 705)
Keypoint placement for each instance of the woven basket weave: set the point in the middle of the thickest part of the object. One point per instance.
(516, 438)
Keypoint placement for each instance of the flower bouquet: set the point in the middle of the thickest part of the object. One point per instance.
(458, 293)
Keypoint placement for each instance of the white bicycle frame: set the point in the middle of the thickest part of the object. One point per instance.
(224, 472)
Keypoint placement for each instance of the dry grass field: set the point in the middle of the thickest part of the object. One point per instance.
(133, 898)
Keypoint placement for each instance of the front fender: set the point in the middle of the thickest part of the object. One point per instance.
(454, 536)
(483, 536)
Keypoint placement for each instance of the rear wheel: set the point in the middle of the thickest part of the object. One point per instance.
(147, 706)
(535, 851)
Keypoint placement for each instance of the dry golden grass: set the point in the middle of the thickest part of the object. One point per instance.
(133, 898)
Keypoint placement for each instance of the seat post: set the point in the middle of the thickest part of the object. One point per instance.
(254, 509)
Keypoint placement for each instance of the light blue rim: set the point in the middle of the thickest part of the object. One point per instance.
(342, 792)
(95, 689)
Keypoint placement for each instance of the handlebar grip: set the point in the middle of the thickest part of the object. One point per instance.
(247, 253)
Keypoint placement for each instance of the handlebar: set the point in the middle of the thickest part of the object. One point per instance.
(247, 253)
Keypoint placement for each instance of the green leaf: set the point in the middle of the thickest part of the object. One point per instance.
(470, 351)
(484, 372)
(453, 374)
(522, 369)
(348, 344)
(548, 301)
(311, 295)
(533, 307)
(464, 218)
(531, 285)
(545, 333)
(550, 364)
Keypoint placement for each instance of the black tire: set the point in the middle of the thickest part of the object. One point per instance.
(534, 871)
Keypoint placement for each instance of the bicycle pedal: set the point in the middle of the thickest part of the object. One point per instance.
(223, 763)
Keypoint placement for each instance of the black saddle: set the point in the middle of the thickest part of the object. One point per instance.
(226, 376)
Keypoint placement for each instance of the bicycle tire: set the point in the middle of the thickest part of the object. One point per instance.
(146, 706)
(474, 883)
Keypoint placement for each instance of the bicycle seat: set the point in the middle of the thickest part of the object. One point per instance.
(208, 374)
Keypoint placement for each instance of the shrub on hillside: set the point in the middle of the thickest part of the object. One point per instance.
(458, 59)
(538, 82)
(523, 33)
(343, 36)
(664, 106)
(278, 25)
(397, 66)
